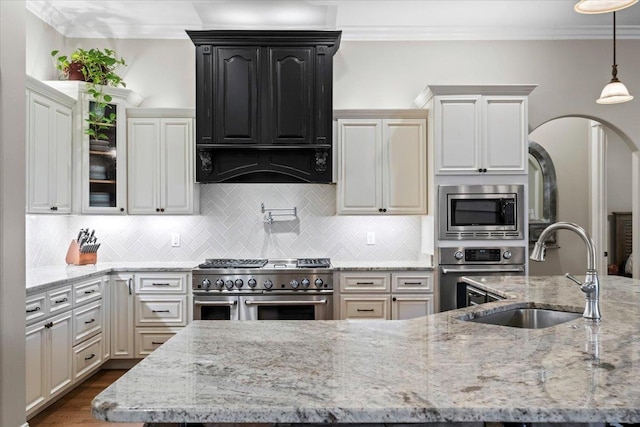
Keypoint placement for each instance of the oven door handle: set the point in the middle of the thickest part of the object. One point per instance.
(482, 270)
(285, 302)
(216, 303)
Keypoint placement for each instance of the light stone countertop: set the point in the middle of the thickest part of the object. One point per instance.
(430, 369)
(42, 279)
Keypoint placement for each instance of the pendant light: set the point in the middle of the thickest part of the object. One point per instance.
(615, 92)
(602, 6)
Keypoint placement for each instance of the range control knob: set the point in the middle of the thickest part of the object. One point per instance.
(219, 284)
(229, 284)
(268, 284)
(239, 283)
(206, 283)
(305, 283)
(252, 283)
(458, 255)
(318, 283)
(506, 255)
(294, 284)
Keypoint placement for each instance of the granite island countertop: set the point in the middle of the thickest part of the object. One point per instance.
(429, 369)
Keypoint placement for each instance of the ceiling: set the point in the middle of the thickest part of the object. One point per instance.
(358, 19)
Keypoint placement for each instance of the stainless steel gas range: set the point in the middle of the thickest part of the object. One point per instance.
(263, 289)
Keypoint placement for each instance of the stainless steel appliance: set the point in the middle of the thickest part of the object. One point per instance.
(475, 212)
(488, 261)
(263, 289)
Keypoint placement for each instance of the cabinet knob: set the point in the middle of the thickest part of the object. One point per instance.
(121, 209)
(380, 210)
(384, 210)
(161, 209)
(395, 299)
(484, 170)
(480, 170)
(157, 209)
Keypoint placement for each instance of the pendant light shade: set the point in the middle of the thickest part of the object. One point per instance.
(602, 6)
(615, 91)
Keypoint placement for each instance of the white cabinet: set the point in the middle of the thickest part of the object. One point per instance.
(479, 129)
(161, 308)
(386, 295)
(160, 177)
(122, 316)
(382, 163)
(48, 359)
(49, 142)
(100, 183)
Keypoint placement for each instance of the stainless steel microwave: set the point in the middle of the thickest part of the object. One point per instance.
(479, 212)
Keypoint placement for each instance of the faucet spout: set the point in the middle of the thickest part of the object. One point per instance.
(591, 285)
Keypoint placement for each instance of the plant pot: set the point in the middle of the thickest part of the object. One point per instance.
(74, 71)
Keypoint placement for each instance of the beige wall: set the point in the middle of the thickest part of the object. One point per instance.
(567, 142)
(618, 174)
(12, 200)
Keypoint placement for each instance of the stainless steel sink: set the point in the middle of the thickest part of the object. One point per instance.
(527, 318)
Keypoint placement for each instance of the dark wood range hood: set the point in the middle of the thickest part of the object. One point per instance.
(264, 105)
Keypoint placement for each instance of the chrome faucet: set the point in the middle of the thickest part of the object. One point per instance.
(591, 285)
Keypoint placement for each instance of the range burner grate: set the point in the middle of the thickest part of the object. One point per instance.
(313, 263)
(233, 263)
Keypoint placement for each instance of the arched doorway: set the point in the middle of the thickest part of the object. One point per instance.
(595, 166)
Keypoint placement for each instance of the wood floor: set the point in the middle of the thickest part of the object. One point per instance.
(74, 409)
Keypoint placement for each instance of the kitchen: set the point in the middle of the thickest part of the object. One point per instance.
(354, 75)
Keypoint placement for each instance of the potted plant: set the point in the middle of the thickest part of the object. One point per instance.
(98, 68)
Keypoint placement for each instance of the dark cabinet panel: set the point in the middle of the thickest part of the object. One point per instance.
(263, 105)
(236, 106)
(290, 96)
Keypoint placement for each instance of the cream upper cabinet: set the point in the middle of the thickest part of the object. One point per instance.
(479, 129)
(161, 166)
(49, 137)
(382, 162)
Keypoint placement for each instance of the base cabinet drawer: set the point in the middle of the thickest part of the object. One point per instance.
(87, 357)
(87, 291)
(364, 282)
(161, 310)
(148, 339)
(36, 308)
(162, 282)
(87, 321)
(59, 300)
(411, 282)
(364, 307)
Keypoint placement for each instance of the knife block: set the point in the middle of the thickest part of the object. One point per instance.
(75, 257)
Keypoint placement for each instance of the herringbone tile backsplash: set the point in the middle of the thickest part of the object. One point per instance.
(230, 225)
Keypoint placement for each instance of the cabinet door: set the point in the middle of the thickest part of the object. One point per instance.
(36, 393)
(59, 355)
(176, 166)
(144, 165)
(104, 161)
(289, 109)
(411, 306)
(505, 143)
(360, 165)
(122, 317)
(457, 134)
(404, 169)
(236, 96)
(61, 179)
(40, 153)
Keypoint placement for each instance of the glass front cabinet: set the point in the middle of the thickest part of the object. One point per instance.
(100, 184)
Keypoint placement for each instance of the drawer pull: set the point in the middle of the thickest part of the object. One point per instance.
(161, 284)
(89, 292)
(48, 325)
(60, 301)
(33, 309)
(156, 343)
(160, 311)
(90, 357)
(364, 309)
(413, 283)
(89, 321)
(364, 283)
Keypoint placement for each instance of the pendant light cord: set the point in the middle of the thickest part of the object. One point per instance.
(614, 71)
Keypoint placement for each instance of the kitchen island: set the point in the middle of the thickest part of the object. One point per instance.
(431, 369)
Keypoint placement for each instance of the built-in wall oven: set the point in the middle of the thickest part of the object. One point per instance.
(291, 289)
(481, 212)
(473, 261)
